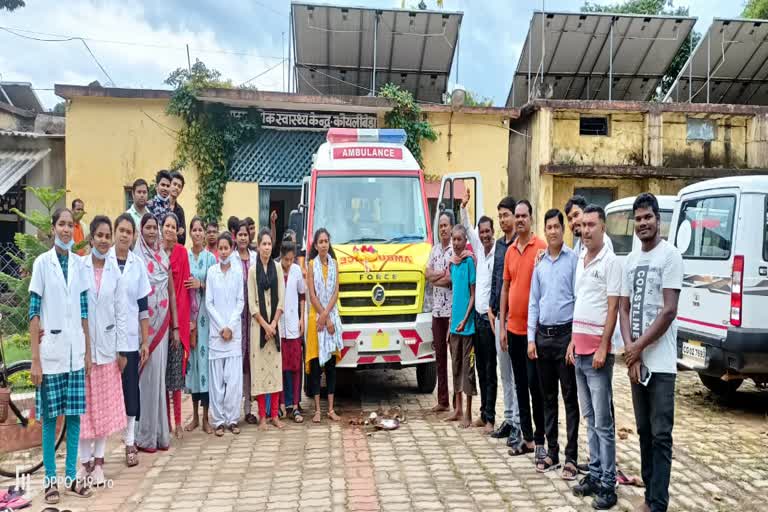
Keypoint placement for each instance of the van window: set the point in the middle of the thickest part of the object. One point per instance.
(705, 228)
(620, 226)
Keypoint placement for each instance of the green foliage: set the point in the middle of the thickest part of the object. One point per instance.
(655, 8)
(755, 9)
(406, 114)
(472, 99)
(60, 108)
(210, 134)
(11, 5)
(15, 303)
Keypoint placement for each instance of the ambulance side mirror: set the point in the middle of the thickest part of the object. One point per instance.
(296, 223)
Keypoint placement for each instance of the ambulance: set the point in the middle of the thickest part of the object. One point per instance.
(368, 191)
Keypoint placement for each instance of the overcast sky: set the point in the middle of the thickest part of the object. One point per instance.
(138, 43)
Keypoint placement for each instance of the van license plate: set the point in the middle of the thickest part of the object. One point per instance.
(695, 354)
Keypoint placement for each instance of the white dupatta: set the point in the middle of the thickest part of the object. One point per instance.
(327, 343)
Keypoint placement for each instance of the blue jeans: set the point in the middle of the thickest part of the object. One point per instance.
(595, 398)
(511, 410)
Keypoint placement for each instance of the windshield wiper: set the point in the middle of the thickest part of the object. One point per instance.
(363, 240)
(404, 238)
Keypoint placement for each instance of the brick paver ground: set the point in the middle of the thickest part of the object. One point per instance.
(720, 461)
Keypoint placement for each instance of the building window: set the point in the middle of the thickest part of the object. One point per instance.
(598, 196)
(701, 129)
(705, 227)
(128, 196)
(593, 126)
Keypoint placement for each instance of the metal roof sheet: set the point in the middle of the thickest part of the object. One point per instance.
(15, 164)
(277, 158)
(334, 49)
(577, 55)
(732, 56)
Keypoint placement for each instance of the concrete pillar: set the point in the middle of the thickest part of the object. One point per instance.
(653, 153)
(757, 141)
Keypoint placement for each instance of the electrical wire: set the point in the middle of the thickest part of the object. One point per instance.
(64, 38)
(263, 72)
(97, 61)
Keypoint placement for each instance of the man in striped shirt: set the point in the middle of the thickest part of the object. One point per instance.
(597, 290)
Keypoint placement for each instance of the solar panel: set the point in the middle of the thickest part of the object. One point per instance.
(334, 49)
(727, 66)
(577, 50)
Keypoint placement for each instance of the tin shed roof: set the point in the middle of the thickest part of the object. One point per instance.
(277, 158)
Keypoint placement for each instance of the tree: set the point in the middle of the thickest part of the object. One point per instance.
(406, 114)
(656, 8)
(60, 108)
(11, 5)
(755, 9)
(473, 99)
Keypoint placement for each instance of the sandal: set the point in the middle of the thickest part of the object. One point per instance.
(234, 429)
(131, 456)
(570, 471)
(522, 449)
(251, 419)
(52, 494)
(79, 489)
(316, 417)
(333, 416)
(297, 417)
(547, 464)
(220, 431)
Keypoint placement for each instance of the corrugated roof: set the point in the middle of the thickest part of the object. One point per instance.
(15, 164)
(277, 158)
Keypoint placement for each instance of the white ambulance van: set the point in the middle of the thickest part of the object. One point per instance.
(720, 227)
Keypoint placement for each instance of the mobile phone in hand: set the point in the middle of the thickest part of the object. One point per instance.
(645, 375)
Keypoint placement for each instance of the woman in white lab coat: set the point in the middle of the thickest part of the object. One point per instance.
(135, 350)
(105, 408)
(61, 357)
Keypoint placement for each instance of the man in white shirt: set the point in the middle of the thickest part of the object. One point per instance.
(574, 208)
(484, 248)
(597, 289)
(651, 283)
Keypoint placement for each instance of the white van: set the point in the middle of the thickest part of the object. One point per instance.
(620, 223)
(720, 227)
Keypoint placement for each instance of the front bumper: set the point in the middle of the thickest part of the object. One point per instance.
(743, 351)
(388, 344)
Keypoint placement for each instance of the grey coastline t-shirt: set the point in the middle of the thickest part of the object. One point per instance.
(646, 274)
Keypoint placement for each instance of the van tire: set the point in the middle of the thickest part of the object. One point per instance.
(719, 386)
(426, 377)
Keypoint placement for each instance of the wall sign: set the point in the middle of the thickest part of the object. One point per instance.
(302, 120)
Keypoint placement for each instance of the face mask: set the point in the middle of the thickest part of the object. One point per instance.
(61, 245)
(98, 255)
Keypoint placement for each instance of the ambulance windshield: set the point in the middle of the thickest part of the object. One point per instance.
(370, 209)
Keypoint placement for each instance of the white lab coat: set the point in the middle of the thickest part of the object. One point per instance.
(224, 302)
(62, 348)
(135, 285)
(106, 311)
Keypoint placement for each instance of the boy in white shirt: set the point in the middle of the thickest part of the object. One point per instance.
(224, 301)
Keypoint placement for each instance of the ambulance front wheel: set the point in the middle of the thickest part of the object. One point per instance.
(426, 377)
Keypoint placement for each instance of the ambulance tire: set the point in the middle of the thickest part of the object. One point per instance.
(725, 388)
(426, 377)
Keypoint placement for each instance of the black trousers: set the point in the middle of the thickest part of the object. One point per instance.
(485, 364)
(553, 370)
(203, 398)
(313, 384)
(527, 388)
(655, 416)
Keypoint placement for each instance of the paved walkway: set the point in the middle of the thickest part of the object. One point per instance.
(720, 461)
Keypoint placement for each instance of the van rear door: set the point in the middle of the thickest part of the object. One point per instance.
(452, 189)
(706, 237)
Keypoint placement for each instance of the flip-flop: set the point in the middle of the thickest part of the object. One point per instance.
(522, 449)
(17, 504)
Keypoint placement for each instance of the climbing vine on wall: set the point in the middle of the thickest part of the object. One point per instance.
(210, 134)
(406, 114)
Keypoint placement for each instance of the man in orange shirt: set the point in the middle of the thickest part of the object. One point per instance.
(81, 229)
(518, 271)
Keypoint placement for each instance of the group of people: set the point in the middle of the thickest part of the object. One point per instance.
(550, 315)
(119, 332)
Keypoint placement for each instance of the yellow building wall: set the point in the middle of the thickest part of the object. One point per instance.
(477, 143)
(112, 142)
(240, 198)
(624, 144)
(564, 188)
(728, 150)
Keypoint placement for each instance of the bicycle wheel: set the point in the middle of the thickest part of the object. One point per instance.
(21, 441)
